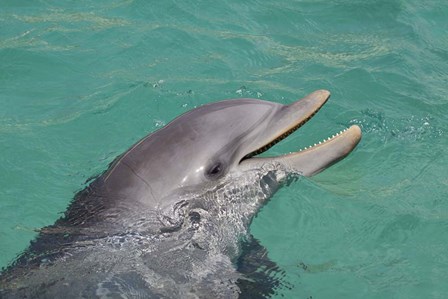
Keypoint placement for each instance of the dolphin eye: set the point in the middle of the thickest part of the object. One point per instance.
(215, 170)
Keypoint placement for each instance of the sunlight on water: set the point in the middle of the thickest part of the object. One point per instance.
(81, 83)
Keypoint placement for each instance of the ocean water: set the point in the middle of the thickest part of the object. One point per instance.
(81, 81)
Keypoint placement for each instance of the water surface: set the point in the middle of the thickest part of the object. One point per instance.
(82, 81)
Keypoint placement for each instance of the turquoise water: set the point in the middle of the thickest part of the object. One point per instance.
(82, 81)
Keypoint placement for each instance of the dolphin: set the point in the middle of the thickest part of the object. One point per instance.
(170, 216)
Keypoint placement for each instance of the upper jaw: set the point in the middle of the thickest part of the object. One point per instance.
(314, 159)
(288, 119)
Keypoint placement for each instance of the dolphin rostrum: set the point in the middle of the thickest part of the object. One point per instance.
(169, 216)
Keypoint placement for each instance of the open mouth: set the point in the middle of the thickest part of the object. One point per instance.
(311, 159)
(285, 134)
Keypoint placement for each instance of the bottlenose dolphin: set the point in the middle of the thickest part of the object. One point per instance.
(168, 217)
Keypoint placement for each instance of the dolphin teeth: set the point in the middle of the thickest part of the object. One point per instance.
(324, 140)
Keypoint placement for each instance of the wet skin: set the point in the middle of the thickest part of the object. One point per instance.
(169, 216)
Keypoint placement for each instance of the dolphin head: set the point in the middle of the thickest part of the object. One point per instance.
(202, 147)
(202, 180)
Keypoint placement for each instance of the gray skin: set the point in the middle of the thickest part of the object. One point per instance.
(168, 218)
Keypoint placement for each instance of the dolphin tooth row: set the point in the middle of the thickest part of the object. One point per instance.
(325, 140)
